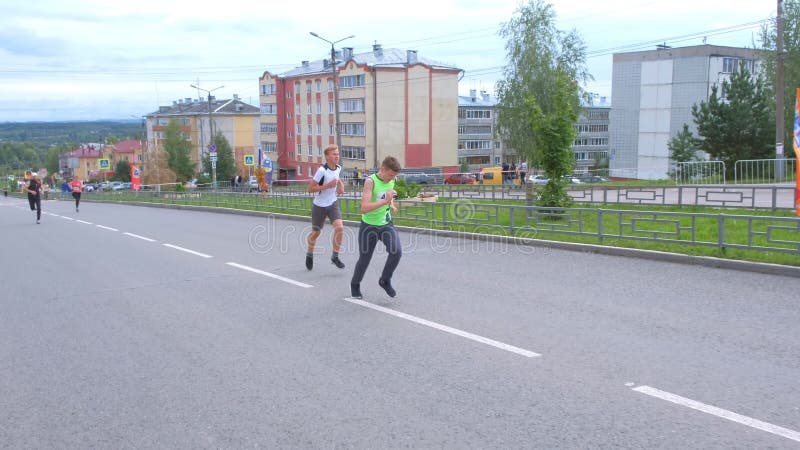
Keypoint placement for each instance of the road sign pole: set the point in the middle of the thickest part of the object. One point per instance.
(213, 149)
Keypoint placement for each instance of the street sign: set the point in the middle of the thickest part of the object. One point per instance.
(213, 157)
(104, 164)
(213, 164)
(249, 160)
(212, 148)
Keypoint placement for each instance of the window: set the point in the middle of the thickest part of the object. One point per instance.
(299, 170)
(269, 147)
(319, 108)
(353, 152)
(600, 115)
(310, 171)
(592, 128)
(352, 129)
(319, 129)
(299, 149)
(310, 150)
(330, 130)
(330, 85)
(310, 129)
(268, 89)
(310, 108)
(289, 135)
(351, 105)
(299, 129)
(319, 151)
(351, 81)
(297, 109)
(474, 114)
(732, 65)
(319, 86)
(269, 127)
(330, 108)
(289, 94)
(308, 86)
(269, 108)
(475, 145)
(482, 129)
(289, 115)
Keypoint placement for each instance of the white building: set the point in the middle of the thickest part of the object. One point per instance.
(652, 96)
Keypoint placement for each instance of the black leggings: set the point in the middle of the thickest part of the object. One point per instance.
(36, 205)
(368, 237)
(77, 197)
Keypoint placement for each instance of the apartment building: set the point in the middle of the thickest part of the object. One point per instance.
(478, 144)
(652, 96)
(199, 118)
(390, 102)
(591, 143)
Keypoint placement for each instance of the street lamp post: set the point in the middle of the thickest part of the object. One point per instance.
(335, 83)
(210, 132)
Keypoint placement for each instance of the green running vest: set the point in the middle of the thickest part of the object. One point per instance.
(382, 215)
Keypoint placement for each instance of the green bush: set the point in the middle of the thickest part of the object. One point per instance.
(406, 190)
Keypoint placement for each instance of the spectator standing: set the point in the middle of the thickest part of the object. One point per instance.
(523, 171)
(64, 188)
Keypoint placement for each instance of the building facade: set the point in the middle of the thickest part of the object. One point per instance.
(199, 119)
(390, 103)
(652, 96)
(478, 143)
(591, 148)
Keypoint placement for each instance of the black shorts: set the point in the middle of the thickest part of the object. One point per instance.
(319, 213)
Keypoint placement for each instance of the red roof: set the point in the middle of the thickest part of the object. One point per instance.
(129, 146)
(85, 152)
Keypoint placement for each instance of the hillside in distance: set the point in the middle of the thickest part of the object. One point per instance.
(43, 134)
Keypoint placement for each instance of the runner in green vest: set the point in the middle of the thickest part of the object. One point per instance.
(377, 207)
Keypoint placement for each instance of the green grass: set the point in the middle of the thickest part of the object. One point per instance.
(570, 225)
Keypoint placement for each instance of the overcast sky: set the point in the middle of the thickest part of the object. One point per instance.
(110, 59)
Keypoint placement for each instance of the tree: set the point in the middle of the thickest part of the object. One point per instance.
(791, 63)
(226, 168)
(178, 151)
(739, 126)
(541, 82)
(155, 170)
(683, 146)
(122, 171)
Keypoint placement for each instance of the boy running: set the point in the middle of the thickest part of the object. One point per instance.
(327, 184)
(376, 225)
(35, 194)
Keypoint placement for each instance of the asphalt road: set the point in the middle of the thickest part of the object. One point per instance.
(136, 327)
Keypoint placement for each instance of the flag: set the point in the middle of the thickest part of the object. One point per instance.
(796, 146)
(135, 178)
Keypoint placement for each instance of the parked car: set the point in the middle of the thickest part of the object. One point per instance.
(593, 179)
(460, 178)
(252, 183)
(420, 178)
(571, 179)
(538, 179)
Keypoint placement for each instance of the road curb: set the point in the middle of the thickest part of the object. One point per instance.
(706, 261)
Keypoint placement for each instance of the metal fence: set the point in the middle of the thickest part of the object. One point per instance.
(700, 172)
(754, 171)
(603, 226)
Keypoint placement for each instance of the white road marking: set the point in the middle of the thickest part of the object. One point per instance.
(106, 228)
(719, 412)
(187, 250)
(65, 217)
(140, 237)
(83, 221)
(445, 328)
(271, 275)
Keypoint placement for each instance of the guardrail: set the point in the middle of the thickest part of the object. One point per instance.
(603, 226)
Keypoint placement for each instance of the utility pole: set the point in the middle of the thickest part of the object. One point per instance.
(211, 146)
(779, 93)
(334, 72)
